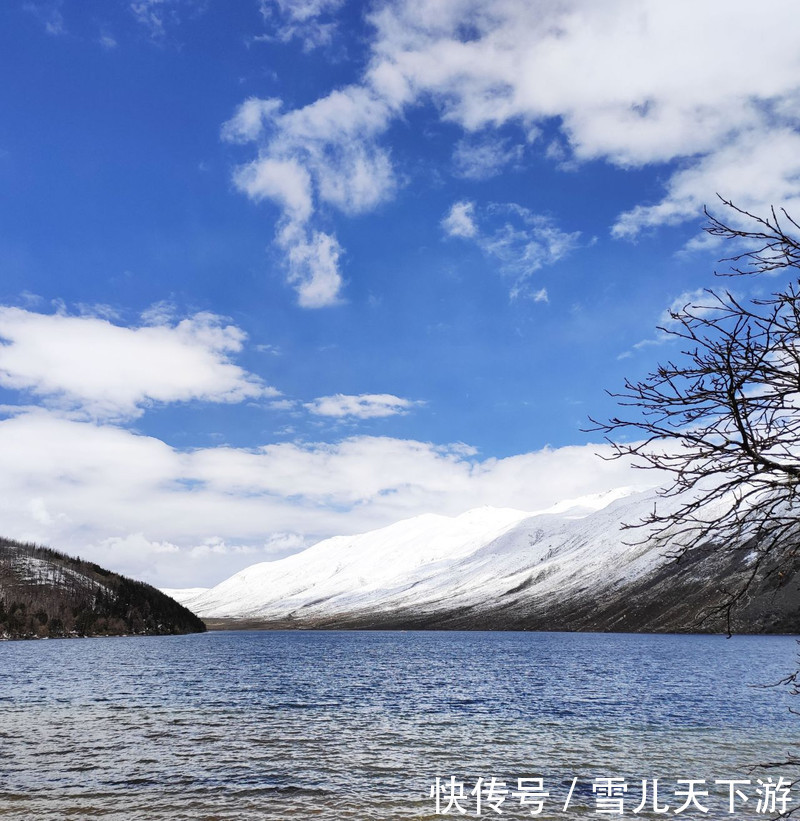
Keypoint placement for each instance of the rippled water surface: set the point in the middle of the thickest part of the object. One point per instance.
(351, 725)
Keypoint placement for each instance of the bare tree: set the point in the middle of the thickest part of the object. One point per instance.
(723, 417)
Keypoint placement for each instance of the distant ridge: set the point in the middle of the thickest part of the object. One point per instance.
(568, 568)
(47, 594)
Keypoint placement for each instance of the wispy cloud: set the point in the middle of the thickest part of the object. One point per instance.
(107, 40)
(484, 157)
(362, 406)
(698, 301)
(518, 241)
(48, 12)
(313, 22)
(157, 16)
(152, 14)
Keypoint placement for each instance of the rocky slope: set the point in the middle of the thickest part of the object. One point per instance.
(44, 593)
(570, 568)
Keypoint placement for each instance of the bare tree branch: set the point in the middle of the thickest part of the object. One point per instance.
(723, 417)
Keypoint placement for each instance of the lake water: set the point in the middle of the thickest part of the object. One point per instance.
(358, 725)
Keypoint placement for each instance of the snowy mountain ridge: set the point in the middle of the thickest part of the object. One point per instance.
(569, 567)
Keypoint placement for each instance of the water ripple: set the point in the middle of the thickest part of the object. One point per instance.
(263, 726)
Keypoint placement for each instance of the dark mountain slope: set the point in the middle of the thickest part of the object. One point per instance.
(46, 593)
(689, 597)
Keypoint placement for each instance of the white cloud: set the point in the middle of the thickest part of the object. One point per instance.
(163, 312)
(754, 169)
(699, 302)
(460, 220)
(285, 182)
(629, 83)
(147, 509)
(313, 263)
(30, 299)
(151, 14)
(479, 159)
(525, 242)
(249, 120)
(157, 15)
(613, 71)
(363, 406)
(111, 371)
(49, 14)
(107, 40)
(312, 21)
(517, 240)
(94, 310)
(313, 157)
(283, 404)
(302, 10)
(354, 178)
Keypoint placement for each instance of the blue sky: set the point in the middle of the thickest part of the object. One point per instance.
(277, 270)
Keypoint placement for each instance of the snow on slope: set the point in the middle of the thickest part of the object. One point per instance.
(364, 566)
(38, 571)
(434, 563)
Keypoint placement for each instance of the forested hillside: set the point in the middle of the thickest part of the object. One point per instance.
(44, 593)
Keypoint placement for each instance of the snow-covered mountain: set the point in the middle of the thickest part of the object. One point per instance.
(570, 567)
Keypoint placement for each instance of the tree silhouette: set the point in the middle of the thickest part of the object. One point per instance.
(723, 417)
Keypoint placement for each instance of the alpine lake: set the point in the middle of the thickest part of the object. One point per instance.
(250, 726)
